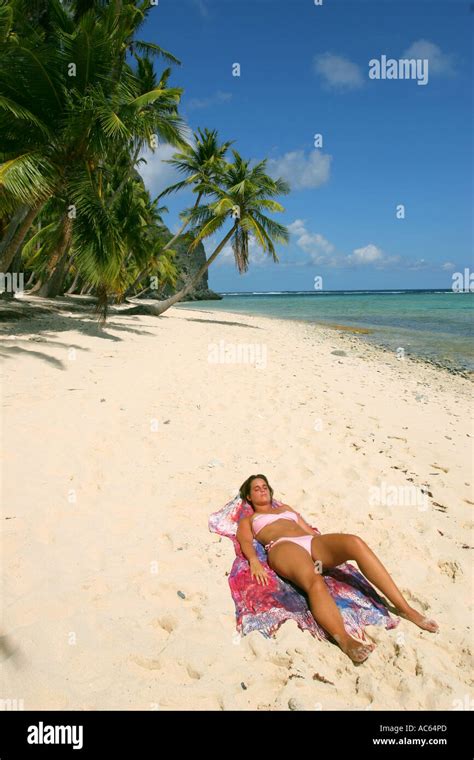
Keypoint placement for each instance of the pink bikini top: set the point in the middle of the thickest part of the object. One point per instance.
(266, 519)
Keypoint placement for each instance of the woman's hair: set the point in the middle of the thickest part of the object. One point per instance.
(246, 485)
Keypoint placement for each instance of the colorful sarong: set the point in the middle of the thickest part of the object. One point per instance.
(260, 607)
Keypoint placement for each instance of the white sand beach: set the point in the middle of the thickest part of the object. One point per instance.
(117, 444)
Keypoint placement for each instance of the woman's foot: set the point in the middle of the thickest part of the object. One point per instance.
(357, 650)
(428, 624)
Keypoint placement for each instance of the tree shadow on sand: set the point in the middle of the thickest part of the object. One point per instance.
(40, 316)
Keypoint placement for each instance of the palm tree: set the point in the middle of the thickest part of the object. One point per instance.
(111, 245)
(146, 114)
(74, 124)
(242, 199)
(203, 162)
(31, 107)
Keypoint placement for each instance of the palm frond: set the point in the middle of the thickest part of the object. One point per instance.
(29, 177)
(151, 47)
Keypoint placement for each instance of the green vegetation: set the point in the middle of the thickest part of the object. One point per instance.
(80, 100)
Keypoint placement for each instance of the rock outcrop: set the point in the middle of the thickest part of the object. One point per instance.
(187, 265)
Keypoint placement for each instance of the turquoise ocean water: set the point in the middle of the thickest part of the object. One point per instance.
(434, 325)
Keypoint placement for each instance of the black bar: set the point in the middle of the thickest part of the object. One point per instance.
(152, 733)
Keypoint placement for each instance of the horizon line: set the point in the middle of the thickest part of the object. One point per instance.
(339, 290)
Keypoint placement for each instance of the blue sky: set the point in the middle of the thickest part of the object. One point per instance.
(386, 142)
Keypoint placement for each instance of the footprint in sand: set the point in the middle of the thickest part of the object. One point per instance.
(280, 660)
(450, 568)
(168, 538)
(143, 662)
(192, 672)
(166, 622)
(198, 596)
(415, 599)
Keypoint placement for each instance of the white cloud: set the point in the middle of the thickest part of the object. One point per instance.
(448, 266)
(439, 62)
(318, 249)
(218, 97)
(226, 256)
(366, 255)
(297, 227)
(372, 255)
(301, 171)
(312, 243)
(338, 72)
(156, 174)
(321, 251)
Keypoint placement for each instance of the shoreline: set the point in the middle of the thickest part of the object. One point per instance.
(34, 306)
(117, 595)
(464, 372)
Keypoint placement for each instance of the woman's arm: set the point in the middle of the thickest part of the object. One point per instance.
(301, 522)
(245, 538)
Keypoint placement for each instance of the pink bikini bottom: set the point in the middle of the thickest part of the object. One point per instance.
(304, 541)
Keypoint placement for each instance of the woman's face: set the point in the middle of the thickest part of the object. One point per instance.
(259, 492)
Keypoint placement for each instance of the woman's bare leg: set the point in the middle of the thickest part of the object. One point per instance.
(335, 548)
(293, 562)
(326, 612)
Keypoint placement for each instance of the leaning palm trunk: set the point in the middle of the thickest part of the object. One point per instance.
(163, 306)
(30, 280)
(75, 284)
(12, 226)
(52, 286)
(67, 269)
(183, 226)
(137, 281)
(8, 254)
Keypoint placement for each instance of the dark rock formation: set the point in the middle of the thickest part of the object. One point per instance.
(187, 265)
